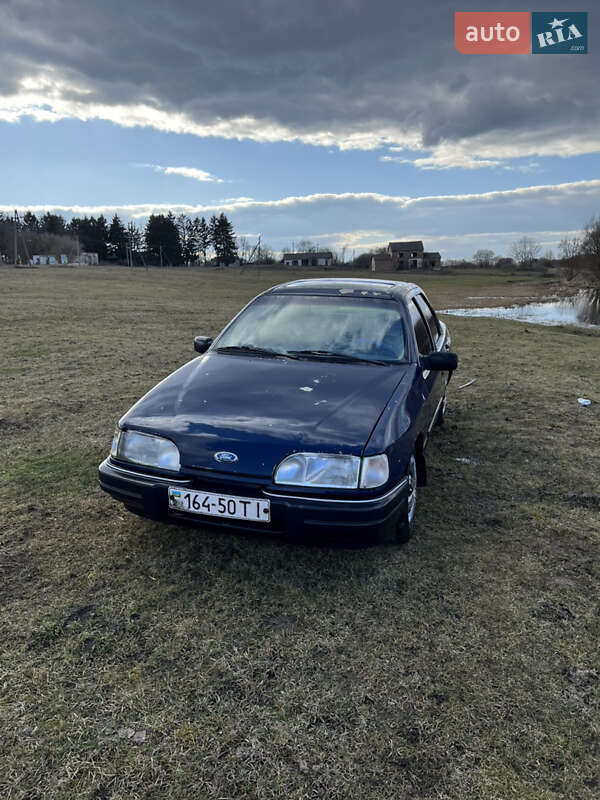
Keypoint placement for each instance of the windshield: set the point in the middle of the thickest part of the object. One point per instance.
(320, 326)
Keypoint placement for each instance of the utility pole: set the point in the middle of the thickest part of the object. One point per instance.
(16, 219)
(131, 244)
(161, 259)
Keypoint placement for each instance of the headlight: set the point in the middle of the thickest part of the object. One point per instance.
(145, 449)
(333, 471)
(375, 471)
(319, 469)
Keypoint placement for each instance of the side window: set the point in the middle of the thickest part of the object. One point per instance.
(424, 342)
(429, 315)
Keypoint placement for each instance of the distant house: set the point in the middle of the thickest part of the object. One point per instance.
(432, 260)
(49, 260)
(412, 255)
(318, 259)
(382, 264)
(88, 259)
(406, 255)
(224, 262)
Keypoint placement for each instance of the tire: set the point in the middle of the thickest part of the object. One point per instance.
(441, 417)
(404, 526)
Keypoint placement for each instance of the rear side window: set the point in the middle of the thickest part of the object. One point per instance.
(429, 316)
(424, 341)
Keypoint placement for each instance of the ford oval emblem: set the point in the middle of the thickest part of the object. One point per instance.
(225, 458)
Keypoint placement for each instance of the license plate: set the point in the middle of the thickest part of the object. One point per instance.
(219, 505)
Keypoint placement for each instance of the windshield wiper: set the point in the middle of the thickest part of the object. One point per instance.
(252, 349)
(327, 354)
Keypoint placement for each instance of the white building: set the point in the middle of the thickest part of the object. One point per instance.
(323, 258)
(87, 259)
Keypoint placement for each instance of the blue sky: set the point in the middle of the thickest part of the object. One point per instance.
(462, 151)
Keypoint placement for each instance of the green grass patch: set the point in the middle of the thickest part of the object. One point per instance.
(66, 468)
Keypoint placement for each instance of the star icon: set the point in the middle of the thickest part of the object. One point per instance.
(557, 23)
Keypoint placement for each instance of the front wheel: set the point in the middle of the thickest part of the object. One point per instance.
(405, 522)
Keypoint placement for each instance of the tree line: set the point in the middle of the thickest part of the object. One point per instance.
(580, 254)
(166, 239)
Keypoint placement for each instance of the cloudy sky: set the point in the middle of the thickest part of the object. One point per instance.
(350, 122)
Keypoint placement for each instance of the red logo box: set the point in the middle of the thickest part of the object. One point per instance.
(486, 32)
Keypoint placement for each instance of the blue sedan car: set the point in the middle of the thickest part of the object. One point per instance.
(311, 410)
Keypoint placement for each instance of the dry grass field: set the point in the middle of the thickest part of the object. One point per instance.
(160, 662)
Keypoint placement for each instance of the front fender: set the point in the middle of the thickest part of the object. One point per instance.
(397, 428)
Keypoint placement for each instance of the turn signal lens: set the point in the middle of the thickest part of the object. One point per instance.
(375, 471)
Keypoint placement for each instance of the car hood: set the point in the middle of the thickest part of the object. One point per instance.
(262, 409)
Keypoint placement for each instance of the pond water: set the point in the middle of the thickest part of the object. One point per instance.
(581, 309)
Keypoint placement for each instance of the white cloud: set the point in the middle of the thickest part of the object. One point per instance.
(550, 192)
(444, 157)
(49, 102)
(454, 224)
(186, 172)
(48, 99)
(327, 74)
(192, 172)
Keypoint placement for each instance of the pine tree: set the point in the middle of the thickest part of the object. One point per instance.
(30, 221)
(53, 223)
(92, 233)
(203, 237)
(135, 241)
(214, 236)
(223, 238)
(228, 239)
(163, 244)
(101, 237)
(188, 238)
(117, 240)
(191, 241)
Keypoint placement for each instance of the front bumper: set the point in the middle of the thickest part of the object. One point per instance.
(146, 494)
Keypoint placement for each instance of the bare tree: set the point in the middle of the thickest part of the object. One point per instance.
(243, 246)
(483, 258)
(569, 248)
(307, 246)
(590, 249)
(525, 251)
(570, 251)
(267, 254)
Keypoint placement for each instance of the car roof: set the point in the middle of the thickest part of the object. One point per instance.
(359, 287)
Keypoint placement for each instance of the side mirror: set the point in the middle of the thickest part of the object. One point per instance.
(440, 362)
(202, 343)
